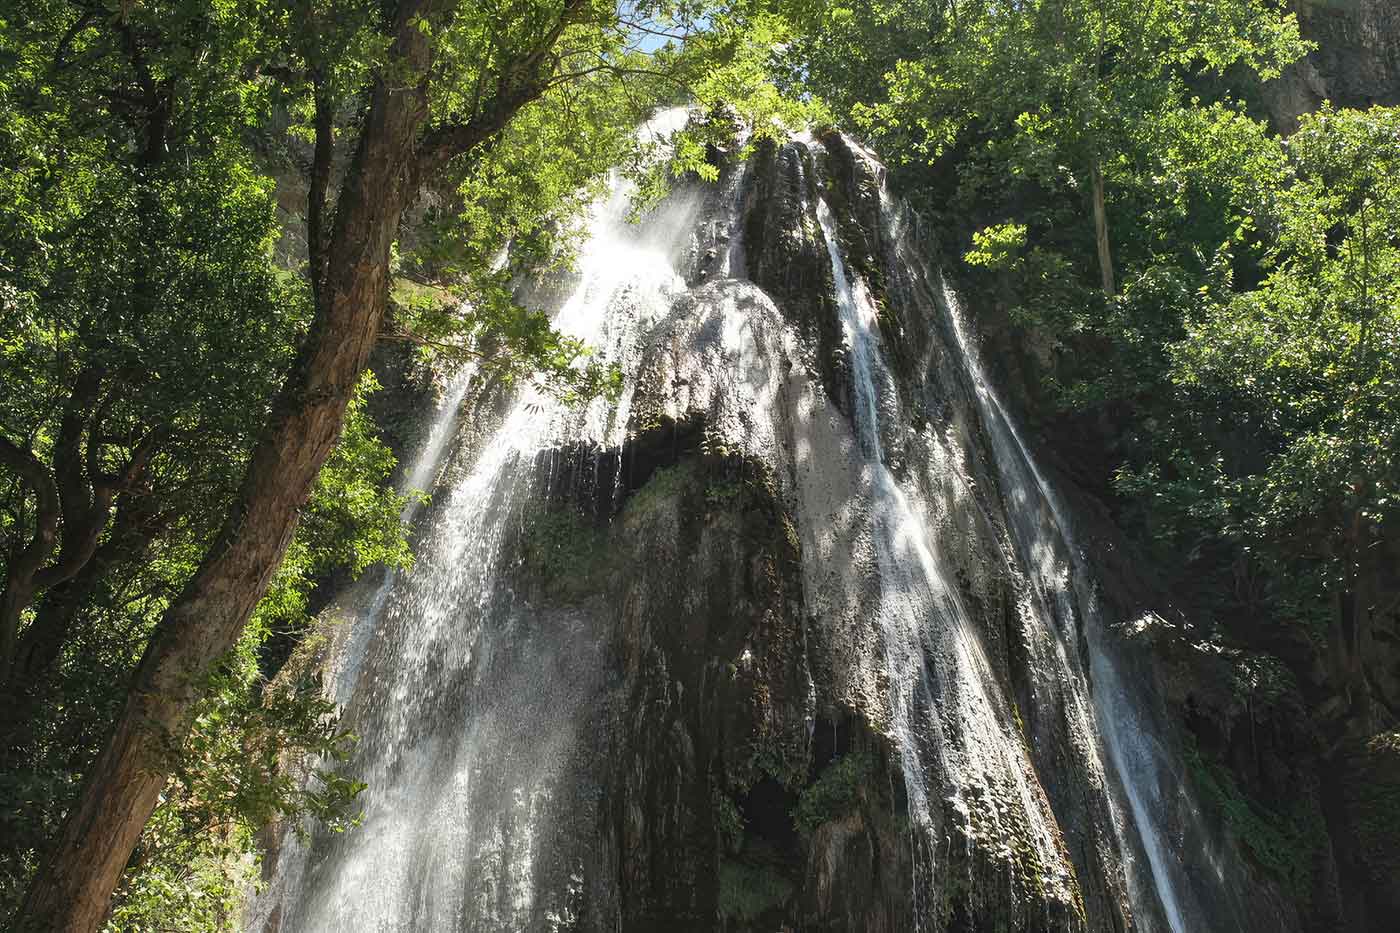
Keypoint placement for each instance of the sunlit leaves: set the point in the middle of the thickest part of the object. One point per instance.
(997, 246)
(137, 232)
(1303, 365)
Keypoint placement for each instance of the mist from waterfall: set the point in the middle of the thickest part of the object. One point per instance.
(462, 705)
(922, 615)
(482, 712)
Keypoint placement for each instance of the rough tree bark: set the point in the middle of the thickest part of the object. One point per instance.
(1110, 286)
(72, 890)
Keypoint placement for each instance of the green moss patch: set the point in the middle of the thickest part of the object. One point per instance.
(752, 887)
(564, 553)
(1282, 844)
(835, 792)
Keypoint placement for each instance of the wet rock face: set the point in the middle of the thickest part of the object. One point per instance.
(786, 259)
(1356, 62)
(755, 782)
(778, 641)
(712, 716)
(1358, 54)
(727, 797)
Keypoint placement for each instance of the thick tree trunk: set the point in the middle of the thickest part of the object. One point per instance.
(72, 890)
(1110, 287)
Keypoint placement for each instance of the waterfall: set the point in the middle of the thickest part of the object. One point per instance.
(1144, 770)
(1140, 765)
(418, 479)
(922, 615)
(462, 705)
(792, 518)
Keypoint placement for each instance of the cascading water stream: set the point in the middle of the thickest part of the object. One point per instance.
(465, 713)
(418, 479)
(1139, 764)
(1140, 768)
(922, 617)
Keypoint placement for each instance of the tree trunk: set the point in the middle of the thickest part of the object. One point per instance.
(1350, 638)
(23, 563)
(1101, 231)
(1357, 630)
(42, 641)
(16, 596)
(39, 647)
(72, 890)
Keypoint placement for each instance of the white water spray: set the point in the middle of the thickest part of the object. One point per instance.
(1138, 762)
(938, 668)
(467, 715)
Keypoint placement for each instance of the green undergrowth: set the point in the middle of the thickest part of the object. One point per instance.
(1283, 844)
(565, 553)
(1375, 798)
(753, 886)
(662, 489)
(835, 792)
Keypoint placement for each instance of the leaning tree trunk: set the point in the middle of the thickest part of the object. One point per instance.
(72, 890)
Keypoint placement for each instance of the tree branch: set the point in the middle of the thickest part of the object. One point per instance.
(24, 562)
(82, 22)
(451, 349)
(323, 153)
(444, 143)
(37, 476)
(524, 81)
(69, 461)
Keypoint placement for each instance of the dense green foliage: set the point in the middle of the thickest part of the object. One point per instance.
(835, 792)
(1203, 312)
(1291, 385)
(170, 170)
(1218, 301)
(143, 335)
(234, 778)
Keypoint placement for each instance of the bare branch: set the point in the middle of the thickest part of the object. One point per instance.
(446, 142)
(452, 349)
